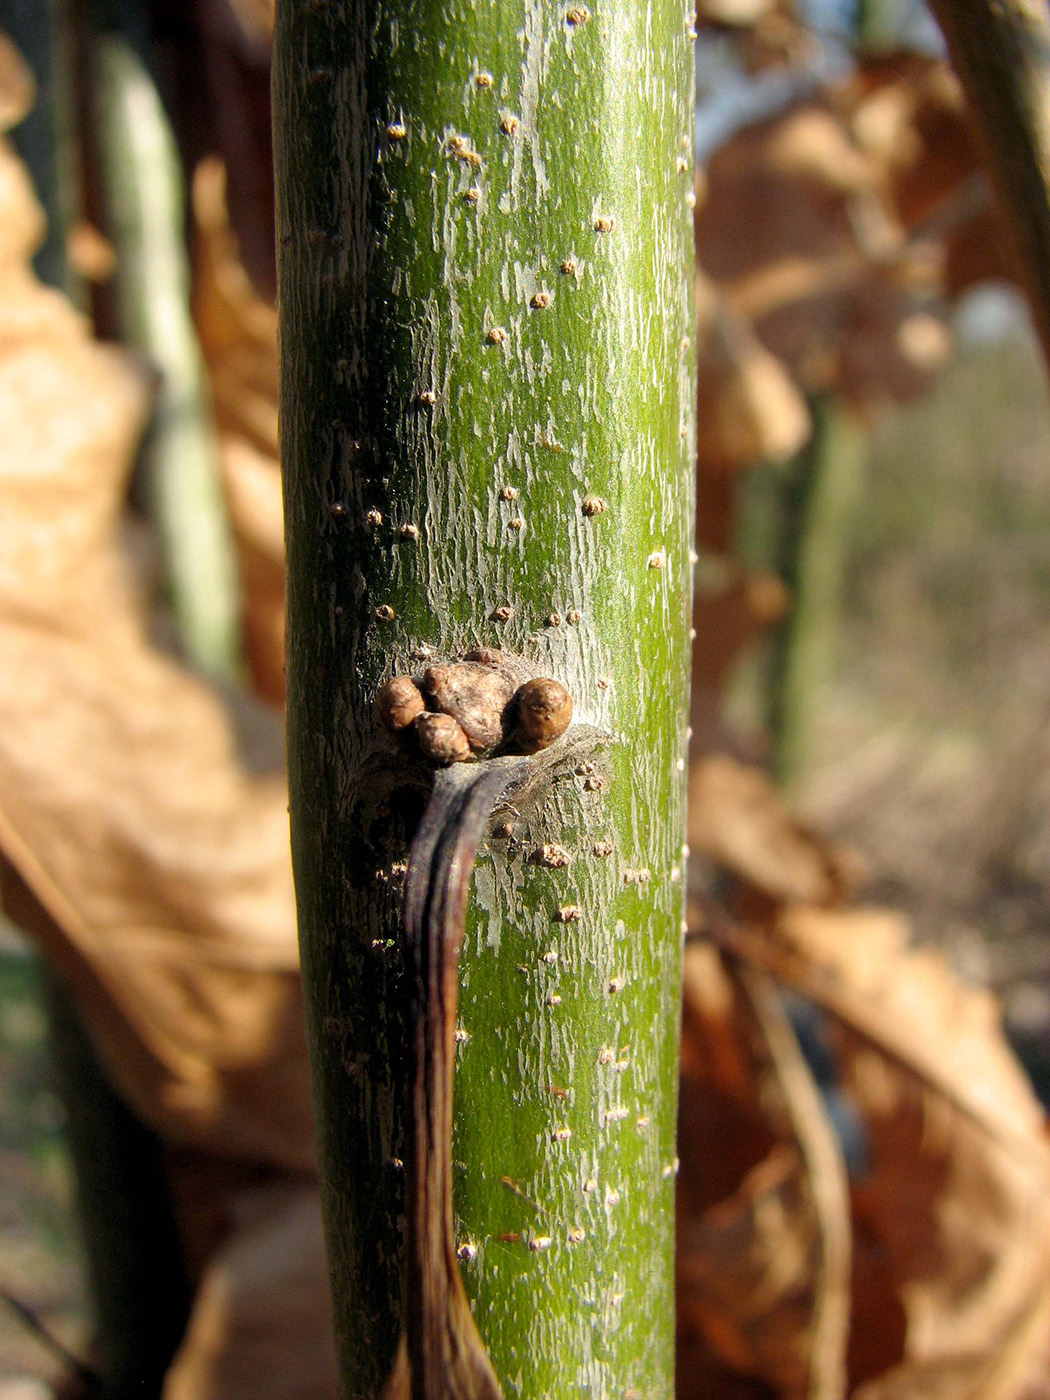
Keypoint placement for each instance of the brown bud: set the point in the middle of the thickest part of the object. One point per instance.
(553, 857)
(487, 656)
(398, 703)
(544, 713)
(441, 739)
(475, 694)
(435, 678)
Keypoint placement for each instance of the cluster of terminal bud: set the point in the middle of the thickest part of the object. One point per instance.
(474, 707)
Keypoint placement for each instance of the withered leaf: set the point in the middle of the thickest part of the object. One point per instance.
(238, 333)
(958, 1192)
(17, 89)
(731, 610)
(748, 406)
(957, 1198)
(160, 868)
(261, 1322)
(740, 823)
(763, 1271)
(853, 250)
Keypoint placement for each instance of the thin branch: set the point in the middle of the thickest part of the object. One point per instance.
(34, 1323)
(1000, 51)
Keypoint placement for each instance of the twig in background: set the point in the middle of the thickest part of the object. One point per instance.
(35, 1324)
(144, 197)
(1000, 51)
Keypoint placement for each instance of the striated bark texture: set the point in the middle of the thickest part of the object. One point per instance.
(485, 269)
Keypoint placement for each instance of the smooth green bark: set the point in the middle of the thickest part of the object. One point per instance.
(485, 273)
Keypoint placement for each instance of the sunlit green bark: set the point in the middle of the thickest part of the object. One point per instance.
(485, 241)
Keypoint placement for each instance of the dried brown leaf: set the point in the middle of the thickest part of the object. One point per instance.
(159, 869)
(841, 258)
(17, 89)
(957, 1199)
(910, 1004)
(741, 12)
(261, 1322)
(807, 220)
(763, 1230)
(720, 1101)
(254, 18)
(738, 821)
(748, 408)
(732, 608)
(90, 253)
(746, 1275)
(810, 144)
(238, 333)
(965, 1223)
(252, 481)
(238, 330)
(958, 1193)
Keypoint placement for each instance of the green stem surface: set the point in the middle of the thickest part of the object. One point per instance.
(485, 273)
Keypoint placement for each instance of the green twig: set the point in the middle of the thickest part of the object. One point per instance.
(819, 511)
(145, 209)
